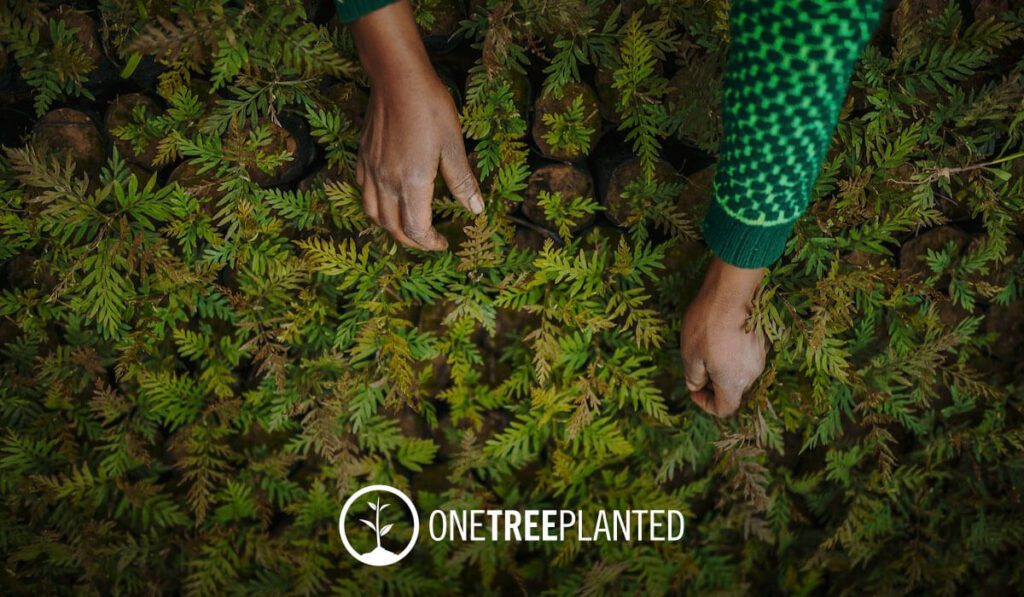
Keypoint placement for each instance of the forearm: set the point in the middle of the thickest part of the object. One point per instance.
(411, 132)
(789, 67)
(389, 45)
(350, 10)
(729, 287)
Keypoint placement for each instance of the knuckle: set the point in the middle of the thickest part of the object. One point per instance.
(416, 233)
(387, 175)
(418, 179)
(464, 183)
(414, 227)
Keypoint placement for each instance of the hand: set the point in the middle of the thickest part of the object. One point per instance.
(411, 128)
(720, 359)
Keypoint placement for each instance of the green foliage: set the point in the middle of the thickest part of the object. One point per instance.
(50, 56)
(565, 214)
(193, 381)
(568, 131)
(642, 88)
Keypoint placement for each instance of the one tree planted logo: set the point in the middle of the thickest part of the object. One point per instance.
(378, 546)
(380, 555)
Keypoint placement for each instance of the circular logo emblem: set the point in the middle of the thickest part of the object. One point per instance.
(378, 506)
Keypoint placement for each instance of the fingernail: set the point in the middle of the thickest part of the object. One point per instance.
(476, 204)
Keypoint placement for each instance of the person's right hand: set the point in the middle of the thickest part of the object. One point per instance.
(721, 360)
(411, 129)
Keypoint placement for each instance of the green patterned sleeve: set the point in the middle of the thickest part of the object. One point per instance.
(350, 10)
(789, 66)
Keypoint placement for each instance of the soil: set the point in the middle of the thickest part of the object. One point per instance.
(532, 238)
(618, 208)
(566, 179)
(28, 271)
(696, 91)
(950, 314)
(351, 99)
(549, 104)
(999, 274)
(1007, 323)
(454, 233)
(291, 140)
(86, 30)
(910, 12)
(913, 251)
(697, 192)
(519, 84)
(119, 114)
(203, 186)
(988, 9)
(67, 132)
(682, 254)
(380, 557)
(447, 15)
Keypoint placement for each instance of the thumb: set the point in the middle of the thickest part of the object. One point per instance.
(724, 401)
(695, 373)
(460, 180)
(699, 384)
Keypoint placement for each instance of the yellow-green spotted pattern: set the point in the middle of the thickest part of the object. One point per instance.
(789, 66)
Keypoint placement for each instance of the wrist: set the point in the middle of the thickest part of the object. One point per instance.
(390, 48)
(730, 285)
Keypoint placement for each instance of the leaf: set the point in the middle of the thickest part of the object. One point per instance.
(385, 530)
(131, 65)
(372, 506)
(369, 524)
(1000, 173)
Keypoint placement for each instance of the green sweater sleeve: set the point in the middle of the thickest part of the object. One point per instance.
(350, 10)
(789, 65)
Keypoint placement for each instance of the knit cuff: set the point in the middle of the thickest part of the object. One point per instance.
(741, 244)
(350, 10)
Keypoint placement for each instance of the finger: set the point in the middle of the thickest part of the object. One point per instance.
(695, 373)
(391, 218)
(705, 399)
(416, 219)
(718, 399)
(369, 197)
(726, 400)
(460, 180)
(699, 384)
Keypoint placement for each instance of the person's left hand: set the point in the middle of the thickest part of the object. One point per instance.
(721, 360)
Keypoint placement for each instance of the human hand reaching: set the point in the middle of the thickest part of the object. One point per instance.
(411, 129)
(721, 360)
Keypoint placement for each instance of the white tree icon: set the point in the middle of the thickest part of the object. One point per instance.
(379, 554)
